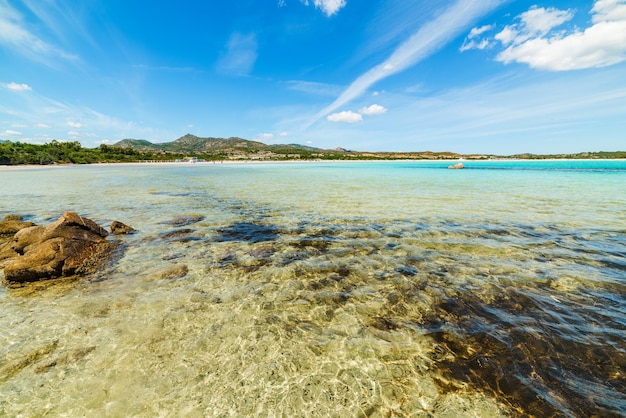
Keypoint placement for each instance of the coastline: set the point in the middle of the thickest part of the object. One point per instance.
(266, 162)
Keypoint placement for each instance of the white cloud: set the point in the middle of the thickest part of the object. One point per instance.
(18, 87)
(428, 39)
(374, 109)
(284, 134)
(73, 134)
(329, 7)
(42, 126)
(601, 45)
(538, 21)
(10, 132)
(479, 31)
(608, 11)
(76, 125)
(539, 41)
(483, 44)
(265, 137)
(345, 116)
(240, 56)
(471, 42)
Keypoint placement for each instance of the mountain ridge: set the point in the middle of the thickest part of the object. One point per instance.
(193, 144)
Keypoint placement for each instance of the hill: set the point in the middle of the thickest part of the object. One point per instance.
(191, 144)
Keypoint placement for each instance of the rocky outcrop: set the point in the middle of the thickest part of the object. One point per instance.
(13, 223)
(457, 166)
(73, 245)
(118, 228)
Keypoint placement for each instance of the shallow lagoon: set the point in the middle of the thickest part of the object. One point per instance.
(327, 289)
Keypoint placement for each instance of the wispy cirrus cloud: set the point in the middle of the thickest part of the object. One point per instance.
(471, 41)
(15, 35)
(34, 117)
(240, 55)
(429, 38)
(506, 114)
(314, 88)
(539, 40)
(10, 132)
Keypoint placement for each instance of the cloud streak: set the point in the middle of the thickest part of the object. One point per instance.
(241, 54)
(428, 39)
(15, 35)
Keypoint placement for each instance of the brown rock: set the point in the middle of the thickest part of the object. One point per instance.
(73, 220)
(118, 228)
(13, 223)
(6, 252)
(89, 258)
(174, 273)
(26, 237)
(45, 261)
(72, 245)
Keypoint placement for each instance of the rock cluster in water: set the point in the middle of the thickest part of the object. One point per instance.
(72, 245)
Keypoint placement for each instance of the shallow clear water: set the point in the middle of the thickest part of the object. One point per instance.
(327, 289)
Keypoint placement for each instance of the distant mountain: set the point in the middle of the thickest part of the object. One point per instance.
(191, 144)
(138, 144)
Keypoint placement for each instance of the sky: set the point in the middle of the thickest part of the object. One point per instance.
(468, 76)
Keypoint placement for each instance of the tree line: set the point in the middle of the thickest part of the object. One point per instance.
(56, 152)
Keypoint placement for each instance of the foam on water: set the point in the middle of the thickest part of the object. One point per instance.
(326, 290)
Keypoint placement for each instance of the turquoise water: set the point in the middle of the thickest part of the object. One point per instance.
(327, 289)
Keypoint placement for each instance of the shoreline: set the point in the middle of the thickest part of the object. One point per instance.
(264, 162)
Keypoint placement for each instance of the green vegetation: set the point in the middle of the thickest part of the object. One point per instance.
(214, 149)
(55, 152)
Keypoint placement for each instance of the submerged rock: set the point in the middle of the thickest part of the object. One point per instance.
(456, 166)
(185, 220)
(73, 245)
(174, 273)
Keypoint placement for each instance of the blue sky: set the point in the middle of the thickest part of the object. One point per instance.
(471, 76)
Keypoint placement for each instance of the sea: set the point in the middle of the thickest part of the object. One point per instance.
(326, 289)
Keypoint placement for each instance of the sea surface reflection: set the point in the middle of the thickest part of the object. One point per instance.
(327, 289)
